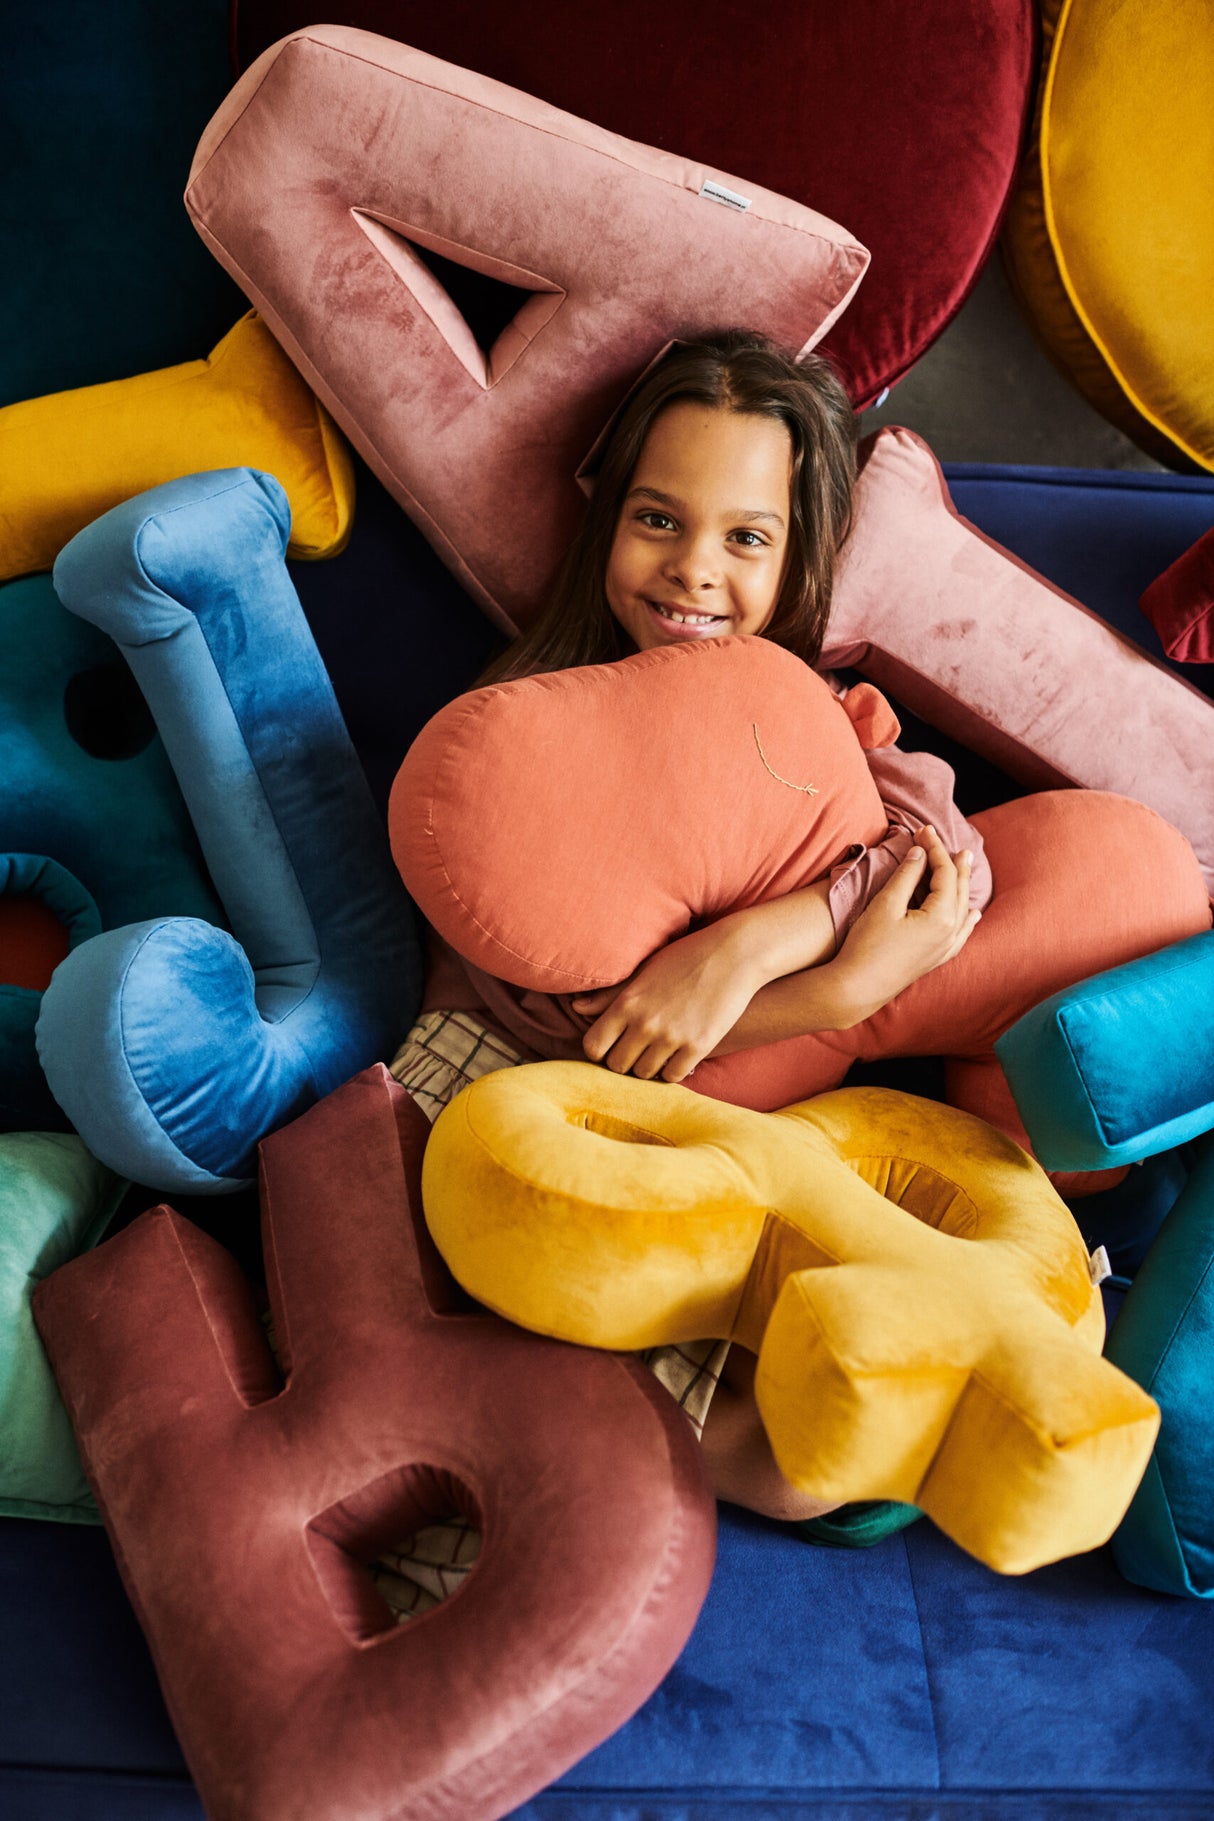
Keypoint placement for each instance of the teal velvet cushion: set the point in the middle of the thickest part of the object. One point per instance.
(55, 1201)
(92, 823)
(1119, 1067)
(1164, 1338)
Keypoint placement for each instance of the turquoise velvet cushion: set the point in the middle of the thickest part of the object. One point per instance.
(171, 1045)
(55, 1201)
(1121, 1066)
(1164, 1338)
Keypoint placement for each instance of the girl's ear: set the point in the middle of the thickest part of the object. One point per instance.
(870, 714)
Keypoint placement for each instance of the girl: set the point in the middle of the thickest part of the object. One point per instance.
(722, 500)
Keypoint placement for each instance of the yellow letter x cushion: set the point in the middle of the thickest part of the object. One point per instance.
(67, 458)
(917, 1295)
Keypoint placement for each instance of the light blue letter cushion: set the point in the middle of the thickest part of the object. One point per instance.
(171, 1045)
(55, 1201)
(93, 830)
(1164, 1338)
(1120, 1066)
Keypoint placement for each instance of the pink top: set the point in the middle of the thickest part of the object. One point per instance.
(915, 787)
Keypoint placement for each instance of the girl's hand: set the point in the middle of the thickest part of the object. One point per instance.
(672, 1012)
(896, 940)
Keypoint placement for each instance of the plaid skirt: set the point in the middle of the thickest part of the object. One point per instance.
(443, 1053)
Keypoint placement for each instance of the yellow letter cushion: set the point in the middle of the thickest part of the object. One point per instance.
(341, 160)
(918, 1296)
(1110, 239)
(67, 458)
(985, 649)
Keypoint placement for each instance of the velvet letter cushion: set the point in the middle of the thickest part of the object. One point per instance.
(55, 1201)
(1164, 1339)
(343, 162)
(988, 651)
(93, 829)
(552, 847)
(1180, 604)
(173, 1045)
(68, 458)
(245, 1513)
(920, 170)
(1110, 238)
(1118, 1068)
(918, 1297)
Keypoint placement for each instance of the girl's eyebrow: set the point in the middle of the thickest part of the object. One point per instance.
(738, 515)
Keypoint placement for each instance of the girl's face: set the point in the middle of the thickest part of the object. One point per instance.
(702, 538)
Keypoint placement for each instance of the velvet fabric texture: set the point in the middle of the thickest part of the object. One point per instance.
(68, 458)
(1164, 1339)
(1109, 237)
(1118, 1067)
(1180, 604)
(196, 1042)
(342, 159)
(917, 1296)
(991, 654)
(243, 1513)
(565, 875)
(93, 829)
(55, 1201)
(904, 122)
(490, 853)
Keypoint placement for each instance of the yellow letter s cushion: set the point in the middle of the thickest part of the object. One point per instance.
(67, 458)
(917, 1295)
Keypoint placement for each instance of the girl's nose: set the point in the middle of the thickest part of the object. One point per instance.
(693, 565)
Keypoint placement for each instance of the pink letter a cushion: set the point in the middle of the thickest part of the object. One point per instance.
(243, 1515)
(341, 159)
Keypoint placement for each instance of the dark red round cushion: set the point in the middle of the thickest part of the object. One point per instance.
(902, 123)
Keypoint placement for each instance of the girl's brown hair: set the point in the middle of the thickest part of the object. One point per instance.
(734, 370)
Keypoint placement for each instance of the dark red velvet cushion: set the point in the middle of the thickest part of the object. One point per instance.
(1180, 604)
(243, 1515)
(902, 122)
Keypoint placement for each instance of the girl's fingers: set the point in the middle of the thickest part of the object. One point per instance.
(905, 879)
(680, 1065)
(589, 1005)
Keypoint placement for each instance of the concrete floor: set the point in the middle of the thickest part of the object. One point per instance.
(986, 392)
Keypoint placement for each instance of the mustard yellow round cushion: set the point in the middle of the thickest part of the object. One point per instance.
(918, 1297)
(1110, 239)
(67, 458)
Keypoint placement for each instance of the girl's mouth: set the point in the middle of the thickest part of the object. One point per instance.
(684, 625)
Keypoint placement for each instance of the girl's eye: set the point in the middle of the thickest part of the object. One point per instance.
(750, 540)
(656, 521)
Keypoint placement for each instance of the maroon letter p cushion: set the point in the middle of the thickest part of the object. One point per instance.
(243, 1515)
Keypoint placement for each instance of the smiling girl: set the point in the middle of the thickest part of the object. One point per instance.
(722, 499)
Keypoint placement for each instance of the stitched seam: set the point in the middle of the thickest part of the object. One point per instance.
(810, 790)
(927, 1674)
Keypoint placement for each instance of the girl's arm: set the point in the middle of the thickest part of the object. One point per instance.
(770, 972)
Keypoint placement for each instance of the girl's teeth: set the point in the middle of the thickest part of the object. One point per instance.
(688, 619)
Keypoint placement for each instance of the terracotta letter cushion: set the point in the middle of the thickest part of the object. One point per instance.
(172, 1045)
(988, 651)
(1110, 239)
(558, 829)
(244, 1515)
(1163, 1339)
(341, 159)
(55, 1201)
(1118, 1068)
(67, 458)
(917, 1295)
(93, 829)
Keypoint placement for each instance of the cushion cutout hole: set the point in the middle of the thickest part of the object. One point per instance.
(608, 1126)
(105, 712)
(395, 1549)
(32, 943)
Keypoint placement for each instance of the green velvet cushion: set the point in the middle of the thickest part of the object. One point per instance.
(1164, 1338)
(55, 1201)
